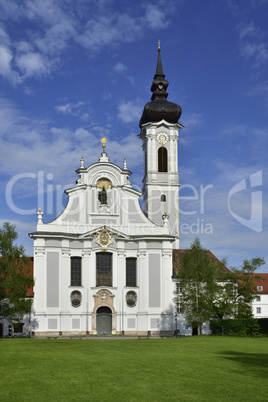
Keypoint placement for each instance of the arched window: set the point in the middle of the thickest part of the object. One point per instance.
(104, 269)
(162, 159)
(163, 198)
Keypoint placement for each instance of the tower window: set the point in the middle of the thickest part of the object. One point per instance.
(131, 272)
(104, 269)
(162, 159)
(163, 198)
(76, 271)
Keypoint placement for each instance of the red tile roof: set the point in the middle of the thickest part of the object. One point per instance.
(177, 255)
(263, 283)
(30, 291)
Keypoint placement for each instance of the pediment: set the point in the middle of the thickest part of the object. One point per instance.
(116, 233)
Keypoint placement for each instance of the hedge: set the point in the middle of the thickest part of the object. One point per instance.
(242, 327)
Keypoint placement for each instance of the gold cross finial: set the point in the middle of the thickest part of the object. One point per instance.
(159, 42)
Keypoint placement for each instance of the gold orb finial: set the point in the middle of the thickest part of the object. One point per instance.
(103, 140)
(159, 43)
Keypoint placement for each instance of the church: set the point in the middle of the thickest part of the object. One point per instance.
(105, 265)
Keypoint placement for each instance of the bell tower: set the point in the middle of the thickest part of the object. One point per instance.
(160, 133)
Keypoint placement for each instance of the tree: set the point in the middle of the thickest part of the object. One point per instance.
(245, 278)
(15, 277)
(209, 290)
(200, 281)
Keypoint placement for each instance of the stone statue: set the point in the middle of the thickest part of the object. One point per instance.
(102, 196)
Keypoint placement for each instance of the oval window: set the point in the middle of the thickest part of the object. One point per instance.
(76, 298)
(131, 299)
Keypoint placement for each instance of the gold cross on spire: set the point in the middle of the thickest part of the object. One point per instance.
(159, 42)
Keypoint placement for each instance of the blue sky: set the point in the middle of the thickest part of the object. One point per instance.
(74, 71)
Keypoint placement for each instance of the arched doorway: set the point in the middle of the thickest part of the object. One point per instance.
(104, 321)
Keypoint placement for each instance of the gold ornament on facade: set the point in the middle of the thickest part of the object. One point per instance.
(104, 182)
(104, 238)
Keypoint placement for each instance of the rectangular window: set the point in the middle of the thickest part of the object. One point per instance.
(257, 298)
(258, 310)
(104, 269)
(76, 277)
(131, 272)
(18, 327)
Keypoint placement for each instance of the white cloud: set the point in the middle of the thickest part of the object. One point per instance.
(251, 45)
(4, 38)
(109, 30)
(46, 11)
(191, 122)
(5, 60)
(6, 71)
(56, 38)
(33, 64)
(229, 237)
(120, 67)
(155, 17)
(40, 147)
(260, 89)
(247, 30)
(130, 111)
(259, 52)
(55, 26)
(74, 110)
(257, 3)
(68, 107)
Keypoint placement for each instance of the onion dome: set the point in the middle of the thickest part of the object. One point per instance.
(160, 108)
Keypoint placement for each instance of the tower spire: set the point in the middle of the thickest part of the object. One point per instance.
(159, 68)
(160, 108)
(159, 84)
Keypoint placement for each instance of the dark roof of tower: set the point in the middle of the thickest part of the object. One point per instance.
(160, 108)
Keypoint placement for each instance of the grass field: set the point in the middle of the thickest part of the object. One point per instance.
(183, 369)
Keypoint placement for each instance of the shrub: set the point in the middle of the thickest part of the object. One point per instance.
(242, 327)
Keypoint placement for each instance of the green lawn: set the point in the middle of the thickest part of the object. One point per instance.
(183, 369)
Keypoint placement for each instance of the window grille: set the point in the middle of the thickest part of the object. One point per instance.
(104, 269)
(76, 271)
(131, 271)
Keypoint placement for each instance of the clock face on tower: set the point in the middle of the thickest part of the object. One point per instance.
(162, 138)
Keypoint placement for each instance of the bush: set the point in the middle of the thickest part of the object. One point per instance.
(263, 323)
(242, 327)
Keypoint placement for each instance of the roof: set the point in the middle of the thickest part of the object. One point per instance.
(263, 283)
(178, 253)
(30, 291)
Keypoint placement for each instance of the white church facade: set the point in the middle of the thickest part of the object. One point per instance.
(104, 266)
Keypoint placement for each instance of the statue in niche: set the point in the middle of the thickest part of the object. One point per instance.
(102, 196)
